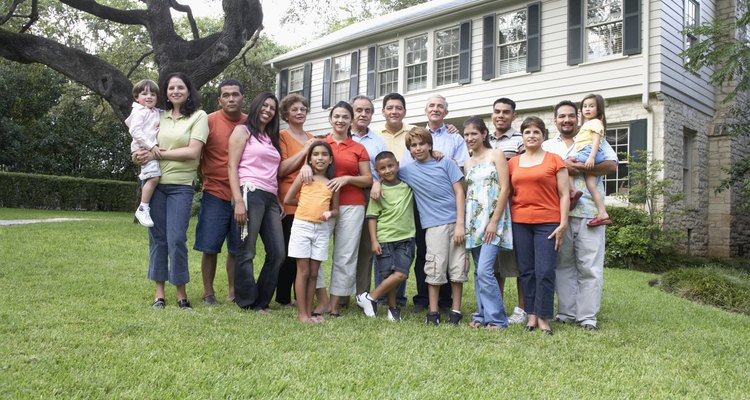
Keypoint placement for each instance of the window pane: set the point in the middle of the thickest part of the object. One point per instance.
(296, 80)
(446, 71)
(446, 43)
(604, 40)
(603, 11)
(388, 82)
(341, 68)
(511, 52)
(618, 181)
(416, 50)
(416, 77)
(388, 56)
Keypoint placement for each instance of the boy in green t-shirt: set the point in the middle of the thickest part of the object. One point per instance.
(391, 225)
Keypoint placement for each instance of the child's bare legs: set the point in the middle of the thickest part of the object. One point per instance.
(456, 290)
(181, 292)
(307, 275)
(159, 290)
(433, 294)
(591, 181)
(148, 189)
(388, 287)
(323, 304)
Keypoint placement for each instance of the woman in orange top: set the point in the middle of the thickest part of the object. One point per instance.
(539, 211)
(295, 143)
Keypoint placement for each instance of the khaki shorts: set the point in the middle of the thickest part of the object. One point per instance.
(444, 256)
(505, 264)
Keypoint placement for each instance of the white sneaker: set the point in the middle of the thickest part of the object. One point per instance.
(143, 213)
(519, 316)
(367, 304)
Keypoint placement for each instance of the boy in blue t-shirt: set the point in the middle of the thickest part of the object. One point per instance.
(441, 197)
(391, 225)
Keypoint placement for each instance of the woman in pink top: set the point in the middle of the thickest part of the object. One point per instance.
(253, 164)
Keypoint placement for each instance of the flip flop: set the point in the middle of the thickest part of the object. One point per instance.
(574, 199)
(597, 221)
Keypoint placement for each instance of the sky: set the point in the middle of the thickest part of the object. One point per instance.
(273, 11)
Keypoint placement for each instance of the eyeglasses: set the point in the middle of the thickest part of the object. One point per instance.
(303, 110)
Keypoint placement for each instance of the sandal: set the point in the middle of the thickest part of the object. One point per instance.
(184, 304)
(574, 199)
(598, 221)
(159, 303)
(475, 324)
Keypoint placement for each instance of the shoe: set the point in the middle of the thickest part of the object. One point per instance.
(418, 308)
(184, 304)
(334, 315)
(433, 318)
(574, 199)
(143, 214)
(560, 320)
(158, 303)
(529, 328)
(519, 316)
(366, 303)
(547, 332)
(394, 314)
(210, 300)
(597, 221)
(589, 327)
(455, 317)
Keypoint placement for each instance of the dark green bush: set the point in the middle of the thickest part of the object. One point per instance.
(633, 242)
(65, 193)
(713, 284)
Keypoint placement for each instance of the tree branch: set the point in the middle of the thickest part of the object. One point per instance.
(138, 62)
(96, 74)
(127, 17)
(33, 16)
(253, 42)
(11, 12)
(186, 9)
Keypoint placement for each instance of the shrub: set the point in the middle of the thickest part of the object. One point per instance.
(22, 190)
(634, 242)
(712, 284)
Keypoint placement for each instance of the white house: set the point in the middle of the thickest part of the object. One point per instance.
(538, 53)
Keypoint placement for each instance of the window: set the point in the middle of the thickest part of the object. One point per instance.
(688, 147)
(296, 80)
(692, 20)
(603, 28)
(446, 56)
(618, 138)
(387, 68)
(340, 78)
(511, 42)
(416, 63)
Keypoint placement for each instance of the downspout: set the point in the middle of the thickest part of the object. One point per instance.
(646, 72)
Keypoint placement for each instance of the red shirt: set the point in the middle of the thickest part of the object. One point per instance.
(213, 166)
(535, 197)
(347, 156)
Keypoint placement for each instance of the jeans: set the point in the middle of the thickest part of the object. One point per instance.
(215, 223)
(288, 271)
(167, 239)
(490, 307)
(264, 218)
(537, 260)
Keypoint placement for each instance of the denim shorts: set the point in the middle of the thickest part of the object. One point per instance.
(215, 223)
(395, 257)
(584, 153)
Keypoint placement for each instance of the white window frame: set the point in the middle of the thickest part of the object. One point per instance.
(387, 74)
(691, 19)
(517, 41)
(447, 64)
(296, 80)
(613, 23)
(341, 70)
(415, 63)
(618, 181)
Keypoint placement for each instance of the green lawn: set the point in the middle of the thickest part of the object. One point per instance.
(75, 322)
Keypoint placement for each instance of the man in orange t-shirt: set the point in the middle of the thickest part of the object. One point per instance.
(215, 218)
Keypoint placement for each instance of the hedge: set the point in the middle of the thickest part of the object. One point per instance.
(22, 190)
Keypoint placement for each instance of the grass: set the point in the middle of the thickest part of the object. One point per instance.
(75, 322)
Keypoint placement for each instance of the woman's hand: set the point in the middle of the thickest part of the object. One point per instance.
(336, 184)
(306, 174)
(490, 232)
(240, 214)
(558, 234)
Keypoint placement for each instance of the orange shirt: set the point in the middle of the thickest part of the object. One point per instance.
(535, 197)
(346, 156)
(314, 200)
(215, 156)
(289, 147)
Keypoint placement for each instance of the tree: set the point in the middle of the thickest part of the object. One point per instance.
(201, 58)
(339, 14)
(725, 48)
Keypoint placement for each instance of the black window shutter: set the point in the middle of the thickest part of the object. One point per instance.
(371, 62)
(638, 135)
(354, 75)
(575, 32)
(533, 37)
(283, 83)
(326, 84)
(307, 81)
(464, 53)
(631, 27)
(488, 47)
